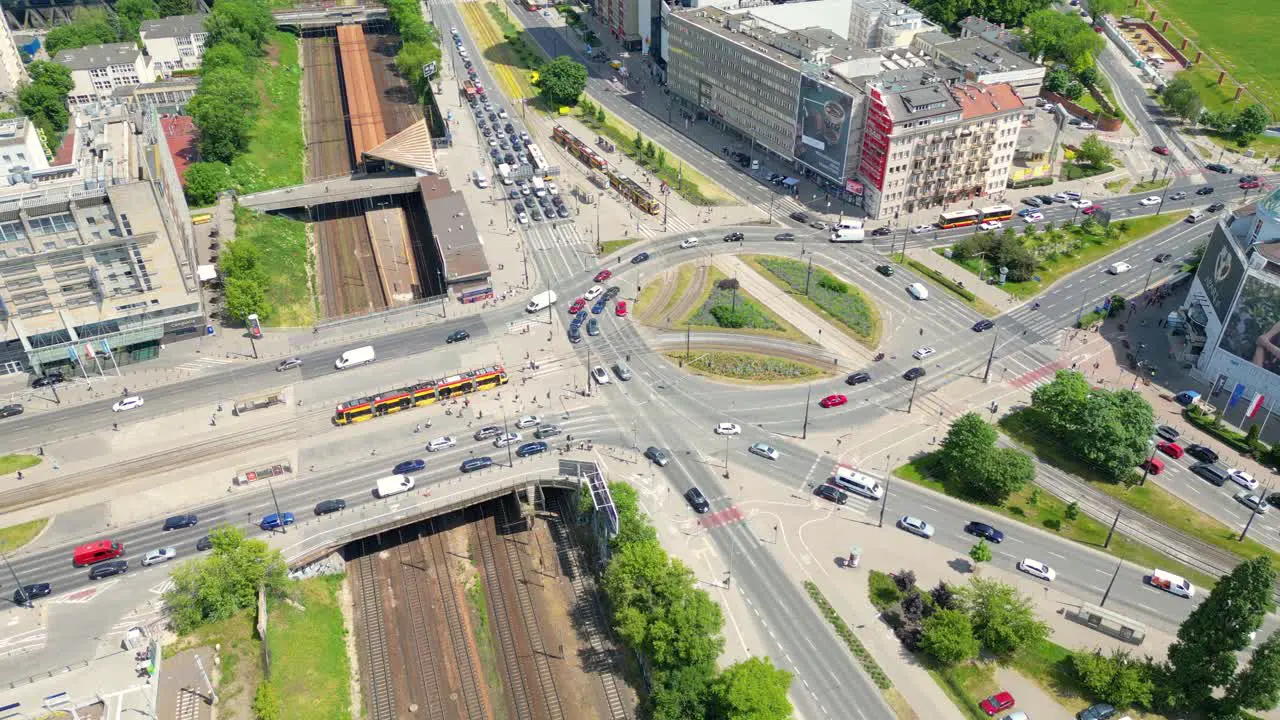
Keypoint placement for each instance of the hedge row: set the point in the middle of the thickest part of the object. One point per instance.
(941, 279)
(855, 645)
(1033, 182)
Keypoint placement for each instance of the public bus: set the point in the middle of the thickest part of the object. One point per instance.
(997, 212)
(537, 160)
(423, 393)
(958, 218)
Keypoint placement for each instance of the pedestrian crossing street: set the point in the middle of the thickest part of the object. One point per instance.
(204, 363)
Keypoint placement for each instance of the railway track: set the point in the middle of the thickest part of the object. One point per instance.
(473, 701)
(410, 559)
(591, 622)
(517, 683)
(379, 687)
(529, 616)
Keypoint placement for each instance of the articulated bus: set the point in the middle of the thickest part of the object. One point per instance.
(996, 212)
(958, 218)
(424, 393)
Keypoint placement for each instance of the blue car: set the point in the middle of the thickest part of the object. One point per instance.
(478, 463)
(409, 466)
(531, 448)
(599, 306)
(581, 316)
(273, 521)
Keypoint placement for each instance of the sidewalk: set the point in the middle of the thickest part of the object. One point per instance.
(990, 294)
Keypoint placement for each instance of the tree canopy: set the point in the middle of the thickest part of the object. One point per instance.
(1182, 99)
(203, 181)
(89, 26)
(970, 459)
(132, 13)
(1110, 430)
(751, 689)
(1093, 151)
(1004, 620)
(215, 586)
(948, 636)
(950, 12)
(562, 81)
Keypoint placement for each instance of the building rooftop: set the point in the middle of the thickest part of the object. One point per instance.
(981, 55)
(174, 26)
(990, 31)
(180, 134)
(977, 99)
(454, 230)
(96, 56)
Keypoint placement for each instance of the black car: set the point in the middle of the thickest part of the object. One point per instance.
(178, 522)
(1206, 190)
(697, 500)
(457, 336)
(1216, 207)
(203, 544)
(1202, 452)
(509, 159)
(475, 463)
(27, 593)
(1032, 201)
(913, 373)
(1098, 711)
(858, 378)
(535, 214)
(733, 237)
(1168, 433)
(612, 292)
(108, 569)
(1219, 168)
(639, 258)
(488, 432)
(562, 211)
(1162, 257)
(1274, 499)
(575, 334)
(885, 270)
(324, 507)
(528, 201)
(531, 448)
(1249, 178)
(983, 325)
(48, 380)
(1212, 472)
(984, 531)
(800, 217)
(835, 495)
(657, 455)
(10, 410)
(785, 237)
(882, 231)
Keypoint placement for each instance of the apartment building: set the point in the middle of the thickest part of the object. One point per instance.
(884, 23)
(20, 150)
(983, 61)
(174, 43)
(12, 72)
(628, 21)
(99, 69)
(97, 260)
(927, 144)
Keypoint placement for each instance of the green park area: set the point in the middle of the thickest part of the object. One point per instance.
(1037, 258)
(723, 305)
(16, 536)
(840, 302)
(274, 251)
(275, 153)
(746, 367)
(308, 643)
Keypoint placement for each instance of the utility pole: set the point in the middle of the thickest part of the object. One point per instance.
(1147, 283)
(284, 529)
(986, 376)
(588, 390)
(1163, 194)
(884, 499)
(510, 462)
(599, 240)
(688, 332)
(726, 457)
(1252, 515)
(21, 591)
(1112, 531)
(808, 395)
(1114, 575)
(911, 403)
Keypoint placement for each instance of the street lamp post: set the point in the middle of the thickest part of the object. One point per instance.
(884, 499)
(1252, 515)
(22, 592)
(808, 395)
(284, 529)
(1114, 575)
(915, 383)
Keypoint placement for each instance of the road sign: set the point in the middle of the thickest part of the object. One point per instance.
(428, 70)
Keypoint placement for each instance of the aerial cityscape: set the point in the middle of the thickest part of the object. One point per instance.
(639, 360)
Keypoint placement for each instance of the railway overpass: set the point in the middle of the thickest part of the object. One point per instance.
(333, 190)
(302, 19)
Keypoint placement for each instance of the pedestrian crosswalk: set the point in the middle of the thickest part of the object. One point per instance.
(204, 363)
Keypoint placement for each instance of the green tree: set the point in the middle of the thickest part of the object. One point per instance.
(87, 27)
(562, 80)
(1109, 430)
(45, 106)
(969, 441)
(132, 13)
(266, 702)
(224, 129)
(980, 553)
(213, 587)
(224, 88)
(1251, 122)
(240, 258)
(1257, 687)
(244, 297)
(751, 689)
(203, 181)
(243, 23)
(947, 635)
(51, 74)
(1004, 472)
(1056, 80)
(680, 693)
(1093, 151)
(638, 142)
(634, 526)
(1182, 99)
(1118, 679)
(662, 158)
(412, 58)
(225, 56)
(1203, 657)
(600, 116)
(175, 7)
(1004, 620)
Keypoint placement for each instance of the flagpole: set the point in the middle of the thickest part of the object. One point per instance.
(1264, 421)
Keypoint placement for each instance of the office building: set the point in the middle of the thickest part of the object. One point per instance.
(96, 255)
(174, 43)
(982, 61)
(99, 69)
(20, 150)
(12, 72)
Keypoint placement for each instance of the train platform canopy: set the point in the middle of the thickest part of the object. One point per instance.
(409, 148)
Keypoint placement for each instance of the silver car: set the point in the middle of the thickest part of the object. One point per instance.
(505, 440)
(763, 451)
(622, 371)
(159, 555)
(916, 526)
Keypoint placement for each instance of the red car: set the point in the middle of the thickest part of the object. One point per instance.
(577, 306)
(833, 400)
(621, 308)
(603, 275)
(1251, 185)
(999, 702)
(1173, 450)
(1091, 210)
(1160, 150)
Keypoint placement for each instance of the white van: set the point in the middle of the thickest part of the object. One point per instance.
(848, 224)
(847, 235)
(394, 485)
(855, 482)
(358, 356)
(504, 172)
(539, 187)
(1195, 216)
(480, 179)
(1171, 583)
(1119, 267)
(541, 301)
(918, 291)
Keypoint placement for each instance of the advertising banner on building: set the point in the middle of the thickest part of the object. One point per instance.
(824, 116)
(1253, 330)
(1220, 272)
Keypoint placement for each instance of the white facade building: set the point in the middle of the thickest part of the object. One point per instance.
(20, 148)
(12, 72)
(99, 69)
(174, 43)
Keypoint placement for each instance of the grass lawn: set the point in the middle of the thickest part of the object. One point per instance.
(486, 642)
(10, 464)
(282, 244)
(1053, 268)
(1073, 171)
(1043, 510)
(963, 294)
(747, 367)
(239, 670)
(1238, 36)
(275, 155)
(1150, 185)
(1116, 186)
(966, 685)
(15, 536)
(505, 46)
(757, 318)
(309, 664)
(611, 245)
(850, 310)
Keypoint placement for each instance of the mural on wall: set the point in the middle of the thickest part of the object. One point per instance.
(1253, 330)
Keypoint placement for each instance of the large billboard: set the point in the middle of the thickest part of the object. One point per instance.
(824, 116)
(1220, 271)
(1253, 330)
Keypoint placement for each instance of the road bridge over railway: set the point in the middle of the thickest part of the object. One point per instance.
(333, 190)
(317, 18)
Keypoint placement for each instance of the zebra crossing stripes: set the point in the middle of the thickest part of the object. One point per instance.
(203, 363)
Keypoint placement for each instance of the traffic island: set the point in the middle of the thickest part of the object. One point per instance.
(746, 367)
